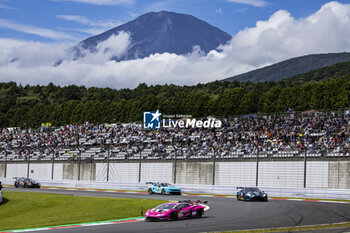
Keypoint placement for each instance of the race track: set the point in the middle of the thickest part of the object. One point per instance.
(225, 214)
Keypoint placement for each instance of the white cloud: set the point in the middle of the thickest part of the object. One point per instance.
(256, 3)
(2, 6)
(278, 38)
(43, 32)
(283, 36)
(219, 11)
(96, 26)
(103, 2)
(83, 20)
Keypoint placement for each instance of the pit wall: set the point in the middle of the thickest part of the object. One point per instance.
(274, 174)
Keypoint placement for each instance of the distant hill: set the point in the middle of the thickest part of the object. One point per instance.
(160, 32)
(291, 67)
(339, 70)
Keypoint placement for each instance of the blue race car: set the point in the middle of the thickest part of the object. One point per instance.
(163, 188)
(251, 193)
(22, 182)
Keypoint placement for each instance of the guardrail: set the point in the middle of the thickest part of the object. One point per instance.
(343, 194)
(1, 195)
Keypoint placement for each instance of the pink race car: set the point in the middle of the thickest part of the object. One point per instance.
(177, 210)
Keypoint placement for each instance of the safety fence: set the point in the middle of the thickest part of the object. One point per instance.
(1, 195)
(341, 194)
(313, 173)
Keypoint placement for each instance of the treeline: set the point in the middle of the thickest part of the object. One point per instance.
(29, 106)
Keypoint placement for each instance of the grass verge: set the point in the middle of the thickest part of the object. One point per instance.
(28, 210)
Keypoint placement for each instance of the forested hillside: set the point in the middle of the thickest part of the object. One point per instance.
(291, 67)
(327, 88)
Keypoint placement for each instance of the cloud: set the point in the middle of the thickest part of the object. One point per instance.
(83, 20)
(43, 32)
(2, 6)
(103, 2)
(219, 11)
(276, 39)
(96, 26)
(282, 36)
(256, 3)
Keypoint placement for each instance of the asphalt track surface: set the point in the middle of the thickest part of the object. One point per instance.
(224, 214)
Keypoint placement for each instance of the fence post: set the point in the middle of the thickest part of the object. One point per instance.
(53, 164)
(257, 166)
(214, 158)
(5, 163)
(305, 155)
(79, 162)
(108, 151)
(175, 165)
(28, 167)
(140, 166)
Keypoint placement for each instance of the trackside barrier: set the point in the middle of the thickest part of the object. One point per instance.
(343, 194)
(1, 195)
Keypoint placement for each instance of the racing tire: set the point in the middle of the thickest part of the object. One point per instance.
(150, 192)
(244, 197)
(237, 196)
(266, 199)
(199, 213)
(163, 192)
(16, 185)
(174, 216)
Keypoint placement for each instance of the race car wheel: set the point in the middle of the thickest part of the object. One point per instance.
(163, 192)
(173, 216)
(199, 213)
(266, 199)
(150, 191)
(16, 185)
(237, 195)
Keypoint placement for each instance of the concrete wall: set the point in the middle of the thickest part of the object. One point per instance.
(194, 172)
(237, 174)
(2, 170)
(17, 170)
(153, 172)
(118, 172)
(339, 174)
(283, 174)
(38, 170)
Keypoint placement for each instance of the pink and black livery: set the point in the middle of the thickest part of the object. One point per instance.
(177, 210)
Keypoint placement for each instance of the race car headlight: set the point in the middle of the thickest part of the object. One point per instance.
(264, 194)
(249, 194)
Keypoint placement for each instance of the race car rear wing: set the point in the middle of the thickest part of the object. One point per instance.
(191, 202)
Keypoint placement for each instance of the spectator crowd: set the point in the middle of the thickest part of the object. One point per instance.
(319, 133)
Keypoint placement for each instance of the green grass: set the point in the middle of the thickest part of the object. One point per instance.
(27, 210)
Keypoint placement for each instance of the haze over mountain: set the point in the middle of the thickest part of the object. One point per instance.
(291, 67)
(160, 32)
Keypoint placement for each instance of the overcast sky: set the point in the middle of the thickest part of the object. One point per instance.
(35, 34)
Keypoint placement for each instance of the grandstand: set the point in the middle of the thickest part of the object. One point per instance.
(296, 150)
(323, 136)
(286, 137)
